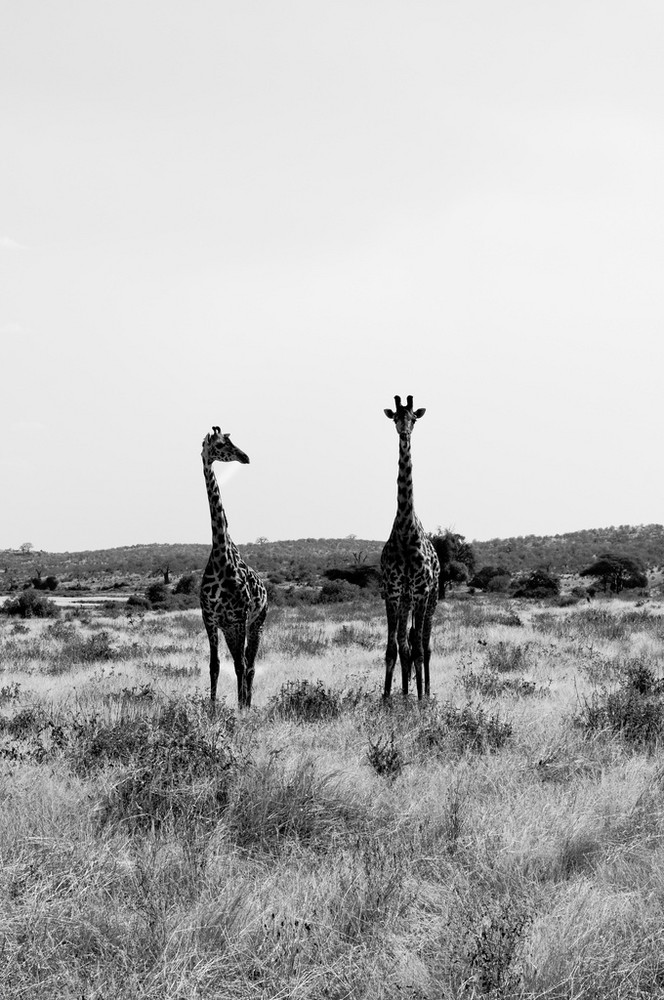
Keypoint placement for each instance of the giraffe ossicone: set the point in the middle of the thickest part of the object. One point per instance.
(409, 570)
(233, 597)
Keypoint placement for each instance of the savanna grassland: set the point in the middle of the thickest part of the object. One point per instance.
(503, 840)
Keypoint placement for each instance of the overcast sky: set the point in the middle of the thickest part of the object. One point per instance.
(275, 215)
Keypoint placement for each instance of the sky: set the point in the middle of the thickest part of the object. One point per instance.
(276, 216)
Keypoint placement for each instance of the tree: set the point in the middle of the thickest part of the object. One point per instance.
(188, 584)
(617, 573)
(539, 583)
(456, 558)
(491, 578)
(26, 548)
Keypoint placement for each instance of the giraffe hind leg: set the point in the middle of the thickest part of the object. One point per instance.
(236, 642)
(253, 640)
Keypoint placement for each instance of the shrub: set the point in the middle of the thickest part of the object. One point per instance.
(275, 802)
(505, 658)
(492, 944)
(138, 603)
(178, 767)
(462, 729)
(336, 591)
(88, 649)
(385, 757)
(353, 635)
(30, 604)
(361, 576)
(634, 711)
(538, 584)
(188, 584)
(492, 685)
(484, 577)
(157, 595)
(303, 701)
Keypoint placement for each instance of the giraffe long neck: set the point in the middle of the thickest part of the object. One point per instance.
(220, 537)
(405, 505)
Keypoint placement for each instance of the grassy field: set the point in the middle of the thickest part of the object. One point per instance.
(503, 840)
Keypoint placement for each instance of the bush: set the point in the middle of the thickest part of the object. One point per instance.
(138, 603)
(337, 591)
(385, 757)
(462, 729)
(157, 595)
(492, 685)
(538, 584)
(494, 578)
(90, 649)
(275, 802)
(635, 710)
(30, 604)
(303, 701)
(506, 658)
(178, 768)
(188, 584)
(359, 576)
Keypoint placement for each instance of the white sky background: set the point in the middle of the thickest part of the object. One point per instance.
(274, 216)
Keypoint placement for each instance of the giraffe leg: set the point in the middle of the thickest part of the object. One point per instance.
(418, 647)
(253, 639)
(405, 657)
(426, 635)
(213, 639)
(391, 607)
(236, 641)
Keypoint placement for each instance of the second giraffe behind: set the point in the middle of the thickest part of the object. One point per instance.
(233, 598)
(410, 570)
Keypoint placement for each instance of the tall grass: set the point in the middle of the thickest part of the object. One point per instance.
(487, 843)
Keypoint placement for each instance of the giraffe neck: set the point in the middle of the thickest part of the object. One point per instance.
(405, 505)
(220, 538)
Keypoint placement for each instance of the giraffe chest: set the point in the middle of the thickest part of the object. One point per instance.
(232, 592)
(409, 565)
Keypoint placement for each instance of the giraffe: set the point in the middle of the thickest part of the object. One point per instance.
(410, 570)
(233, 597)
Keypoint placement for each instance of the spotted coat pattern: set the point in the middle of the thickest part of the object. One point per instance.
(233, 598)
(409, 571)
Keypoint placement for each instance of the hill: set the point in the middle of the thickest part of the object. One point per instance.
(572, 552)
(304, 560)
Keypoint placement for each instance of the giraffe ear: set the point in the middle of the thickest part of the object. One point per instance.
(420, 413)
(389, 414)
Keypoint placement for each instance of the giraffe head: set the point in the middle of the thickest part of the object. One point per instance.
(404, 417)
(218, 447)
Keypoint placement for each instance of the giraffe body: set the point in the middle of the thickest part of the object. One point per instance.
(410, 572)
(233, 597)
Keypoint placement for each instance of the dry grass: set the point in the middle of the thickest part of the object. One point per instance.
(496, 842)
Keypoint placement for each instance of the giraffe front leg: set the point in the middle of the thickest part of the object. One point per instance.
(417, 646)
(391, 608)
(405, 656)
(213, 639)
(426, 635)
